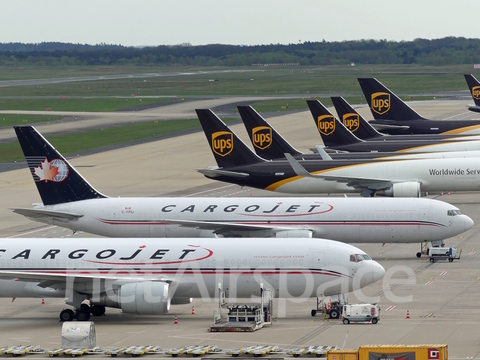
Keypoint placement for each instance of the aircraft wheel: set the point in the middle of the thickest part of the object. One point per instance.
(346, 321)
(419, 254)
(85, 307)
(432, 260)
(451, 259)
(67, 315)
(313, 312)
(97, 310)
(374, 321)
(82, 315)
(334, 314)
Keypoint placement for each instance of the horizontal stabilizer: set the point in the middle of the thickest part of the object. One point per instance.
(40, 214)
(381, 127)
(213, 173)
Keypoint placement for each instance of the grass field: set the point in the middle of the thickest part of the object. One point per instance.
(112, 95)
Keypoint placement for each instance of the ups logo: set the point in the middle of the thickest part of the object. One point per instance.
(222, 143)
(381, 102)
(351, 121)
(476, 92)
(326, 124)
(262, 137)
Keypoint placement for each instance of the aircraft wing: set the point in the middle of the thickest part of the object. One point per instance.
(223, 228)
(213, 173)
(40, 214)
(353, 181)
(54, 279)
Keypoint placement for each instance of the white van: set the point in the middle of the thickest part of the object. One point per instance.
(443, 253)
(361, 313)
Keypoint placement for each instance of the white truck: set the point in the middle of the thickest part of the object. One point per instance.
(361, 313)
(443, 253)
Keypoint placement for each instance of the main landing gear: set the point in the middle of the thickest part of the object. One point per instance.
(82, 313)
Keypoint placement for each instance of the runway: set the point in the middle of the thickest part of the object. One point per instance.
(442, 298)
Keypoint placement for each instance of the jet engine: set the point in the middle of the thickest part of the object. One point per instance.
(300, 233)
(143, 298)
(405, 189)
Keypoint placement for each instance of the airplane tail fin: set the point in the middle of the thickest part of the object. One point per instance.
(227, 148)
(353, 120)
(332, 131)
(267, 142)
(384, 104)
(474, 86)
(57, 181)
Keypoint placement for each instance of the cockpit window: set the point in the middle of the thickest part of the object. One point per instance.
(454, 212)
(359, 257)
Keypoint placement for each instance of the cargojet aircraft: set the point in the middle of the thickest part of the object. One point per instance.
(237, 164)
(393, 116)
(362, 129)
(144, 276)
(69, 201)
(336, 136)
(474, 86)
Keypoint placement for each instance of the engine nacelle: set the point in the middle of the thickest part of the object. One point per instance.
(405, 189)
(144, 298)
(180, 301)
(300, 233)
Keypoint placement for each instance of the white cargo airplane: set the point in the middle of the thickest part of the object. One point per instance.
(70, 202)
(142, 276)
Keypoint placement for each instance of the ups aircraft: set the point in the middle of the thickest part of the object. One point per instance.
(270, 145)
(393, 116)
(337, 137)
(474, 86)
(69, 201)
(144, 276)
(237, 164)
(362, 129)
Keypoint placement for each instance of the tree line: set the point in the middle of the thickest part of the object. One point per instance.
(445, 51)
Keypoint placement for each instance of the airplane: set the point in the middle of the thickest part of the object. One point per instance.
(237, 164)
(474, 86)
(74, 204)
(144, 276)
(361, 128)
(393, 116)
(337, 137)
(270, 145)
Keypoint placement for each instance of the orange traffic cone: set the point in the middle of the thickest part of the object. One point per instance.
(176, 321)
(193, 310)
(408, 315)
(43, 301)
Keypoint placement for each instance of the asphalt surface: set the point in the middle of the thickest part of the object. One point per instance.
(441, 298)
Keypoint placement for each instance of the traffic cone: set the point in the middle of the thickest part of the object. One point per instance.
(193, 310)
(408, 315)
(176, 321)
(43, 301)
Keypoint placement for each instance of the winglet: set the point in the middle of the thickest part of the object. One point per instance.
(322, 152)
(297, 168)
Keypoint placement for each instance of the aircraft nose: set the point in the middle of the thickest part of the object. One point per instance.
(371, 273)
(468, 223)
(378, 271)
